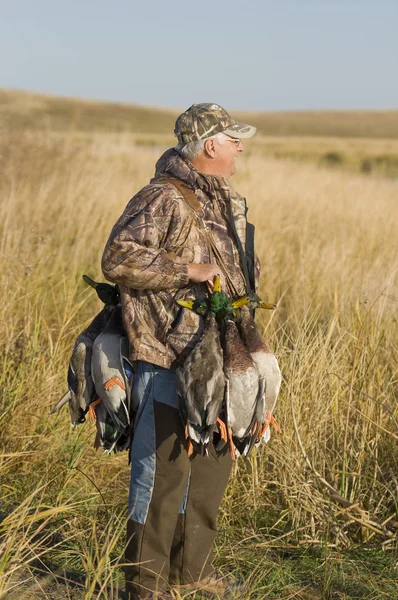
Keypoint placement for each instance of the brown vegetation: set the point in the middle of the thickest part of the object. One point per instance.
(21, 110)
(326, 487)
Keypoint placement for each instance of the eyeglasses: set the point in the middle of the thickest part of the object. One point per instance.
(236, 141)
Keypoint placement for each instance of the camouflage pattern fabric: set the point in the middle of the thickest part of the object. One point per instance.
(149, 249)
(204, 120)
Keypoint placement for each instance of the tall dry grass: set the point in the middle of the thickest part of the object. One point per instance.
(328, 244)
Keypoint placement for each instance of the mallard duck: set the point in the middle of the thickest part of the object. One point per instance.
(109, 437)
(266, 364)
(80, 383)
(109, 294)
(200, 305)
(252, 301)
(244, 403)
(112, 385)
(244, 391)
(201, 384)
(82, 394)
(245, 396)
(217, 302)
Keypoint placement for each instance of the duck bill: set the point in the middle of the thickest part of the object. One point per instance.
(240, 302)
(90, 281)
(186, 303)
(217, 284)
(267, 306)
(65, 398)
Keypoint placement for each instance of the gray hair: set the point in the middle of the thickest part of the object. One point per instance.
(193, 149)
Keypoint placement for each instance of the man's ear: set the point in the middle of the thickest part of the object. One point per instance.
(210, 148)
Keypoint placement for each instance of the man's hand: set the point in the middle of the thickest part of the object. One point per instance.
(205, 272)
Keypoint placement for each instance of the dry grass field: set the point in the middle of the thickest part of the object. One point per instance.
(21, 110)
(311, 516)
(364, 141)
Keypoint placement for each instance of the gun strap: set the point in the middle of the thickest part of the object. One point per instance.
(250, 255)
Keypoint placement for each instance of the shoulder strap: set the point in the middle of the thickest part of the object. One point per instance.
(192, 200)
(189, 195)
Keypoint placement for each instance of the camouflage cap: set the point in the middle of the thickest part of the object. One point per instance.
(204, 120)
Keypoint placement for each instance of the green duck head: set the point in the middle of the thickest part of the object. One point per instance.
(252, 301)
(222, 306)
(200, 306)
(107, 293)
(218, 300)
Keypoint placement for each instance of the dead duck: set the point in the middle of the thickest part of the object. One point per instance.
(201, 384)
(244, 391)
(217, 302)
(110, 369)
(109, 294)
(244, 402)
(252, 301)
(267, 367)
(82, 395)
(81, 390)
(201, 380)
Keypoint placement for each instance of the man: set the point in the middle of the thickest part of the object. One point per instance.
(158, 252)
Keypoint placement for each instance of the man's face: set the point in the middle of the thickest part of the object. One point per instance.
(226, 154)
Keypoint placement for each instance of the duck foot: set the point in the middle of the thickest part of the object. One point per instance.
(91, 412)
(190, 449)
(232, 448)
(270, 421)
(222, 428)
(275, 425)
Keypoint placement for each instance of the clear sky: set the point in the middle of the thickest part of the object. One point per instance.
(265, 55)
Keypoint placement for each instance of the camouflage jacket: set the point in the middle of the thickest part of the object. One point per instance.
(149, 249)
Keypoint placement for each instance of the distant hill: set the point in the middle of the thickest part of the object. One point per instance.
(344, 123)
(25, 110)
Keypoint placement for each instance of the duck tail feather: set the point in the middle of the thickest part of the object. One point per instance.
(258, 417)
(194, 435)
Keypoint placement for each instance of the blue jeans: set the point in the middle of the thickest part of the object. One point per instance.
(151, 383)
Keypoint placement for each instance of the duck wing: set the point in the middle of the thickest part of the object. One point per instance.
(265, 361)
(112, 386)
(258, 417)
(108, 433)
(80, 383)
(269, 369)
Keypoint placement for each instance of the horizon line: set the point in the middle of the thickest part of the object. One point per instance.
(176, 109)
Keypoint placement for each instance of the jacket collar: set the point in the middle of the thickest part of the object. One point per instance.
(171, 163)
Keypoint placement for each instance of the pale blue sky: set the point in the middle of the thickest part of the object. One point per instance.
(265, 55)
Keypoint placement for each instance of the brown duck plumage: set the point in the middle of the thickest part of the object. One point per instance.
(201, 384)
(265, 361)
(243, 388)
